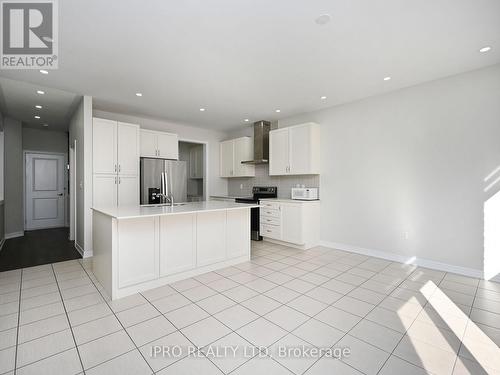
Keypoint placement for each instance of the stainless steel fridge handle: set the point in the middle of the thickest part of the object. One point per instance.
(162, 186)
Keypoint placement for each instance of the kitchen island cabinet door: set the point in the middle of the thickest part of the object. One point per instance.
(177, 243)
(138, 244)
(238, 233)
(210, 237)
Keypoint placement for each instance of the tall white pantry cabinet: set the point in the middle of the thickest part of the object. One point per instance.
(116, 147)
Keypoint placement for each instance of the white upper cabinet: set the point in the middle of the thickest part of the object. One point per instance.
(232, 153)
(115, 147)
(149, 144)
(128, 149)
(168, 146)
(159, 145)
(115, 163)
(278, 152)
(104, 136)
(295, 150)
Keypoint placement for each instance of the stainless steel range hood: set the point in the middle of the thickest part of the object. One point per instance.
(260, 143)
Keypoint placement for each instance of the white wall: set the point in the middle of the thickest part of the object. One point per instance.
(2, 216)
(215, 184)
(13, 169)
(404, 172)
(45, 140)
(80, 130)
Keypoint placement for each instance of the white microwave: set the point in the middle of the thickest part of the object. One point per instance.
(305, 194)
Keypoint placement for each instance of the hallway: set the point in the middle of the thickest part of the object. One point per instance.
(37, 247)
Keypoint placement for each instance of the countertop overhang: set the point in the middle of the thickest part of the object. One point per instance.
(133, 212)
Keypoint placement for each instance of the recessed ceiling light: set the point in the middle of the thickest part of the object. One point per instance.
(138, 94)
(246, 120)
(40, 92)
(202, 109)
(278, 111)
(46, 125)
(43, 71)
(38, 106)
(387, 78)
(37, 117)
(323, 97)
(485, 49)
(323, 19)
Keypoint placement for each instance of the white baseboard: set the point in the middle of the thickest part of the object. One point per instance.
(471, 272)
(83, 253)
(14, 235)
(79, 249)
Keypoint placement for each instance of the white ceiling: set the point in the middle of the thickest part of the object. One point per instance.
(246, 58)
(18, 100)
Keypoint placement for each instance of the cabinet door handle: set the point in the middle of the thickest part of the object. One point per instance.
(119, 180)
(115, 167)
(119, 167)
(115, 180)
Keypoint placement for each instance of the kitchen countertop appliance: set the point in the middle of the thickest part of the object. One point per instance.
(259, 192)
(305, 194)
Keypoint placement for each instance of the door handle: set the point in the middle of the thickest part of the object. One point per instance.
(60, 194)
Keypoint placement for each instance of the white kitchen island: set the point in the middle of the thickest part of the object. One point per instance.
(139, 248)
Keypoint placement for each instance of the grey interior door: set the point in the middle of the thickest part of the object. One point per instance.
(45, 201)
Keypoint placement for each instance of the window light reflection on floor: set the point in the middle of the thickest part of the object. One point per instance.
(481, 348)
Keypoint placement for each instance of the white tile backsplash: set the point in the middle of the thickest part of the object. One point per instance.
(243, 186)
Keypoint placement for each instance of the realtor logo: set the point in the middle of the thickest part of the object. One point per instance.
(29, 34)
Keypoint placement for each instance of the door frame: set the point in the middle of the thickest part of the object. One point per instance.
(72, 191)
(65, 190)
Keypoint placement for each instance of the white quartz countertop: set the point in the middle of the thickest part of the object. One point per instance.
(227, 196)
(132, 212)
(288, 200)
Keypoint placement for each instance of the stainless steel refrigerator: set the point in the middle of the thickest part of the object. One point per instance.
(151, 180)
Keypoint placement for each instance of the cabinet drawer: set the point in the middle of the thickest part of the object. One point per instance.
(270, 220)
(271, 231)
(270, 205)
(268, 212)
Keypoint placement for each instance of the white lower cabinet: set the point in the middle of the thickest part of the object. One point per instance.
(104, 190)
(137, 235)
(210, 237)
(177, 243)
(292, 225)
(128, 191)
(291, 222)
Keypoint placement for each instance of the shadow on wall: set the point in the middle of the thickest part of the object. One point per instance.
(491, 207)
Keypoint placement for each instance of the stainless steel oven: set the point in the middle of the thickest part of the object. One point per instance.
(258, 192)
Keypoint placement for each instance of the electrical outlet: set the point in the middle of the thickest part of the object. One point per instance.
(241, 186)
